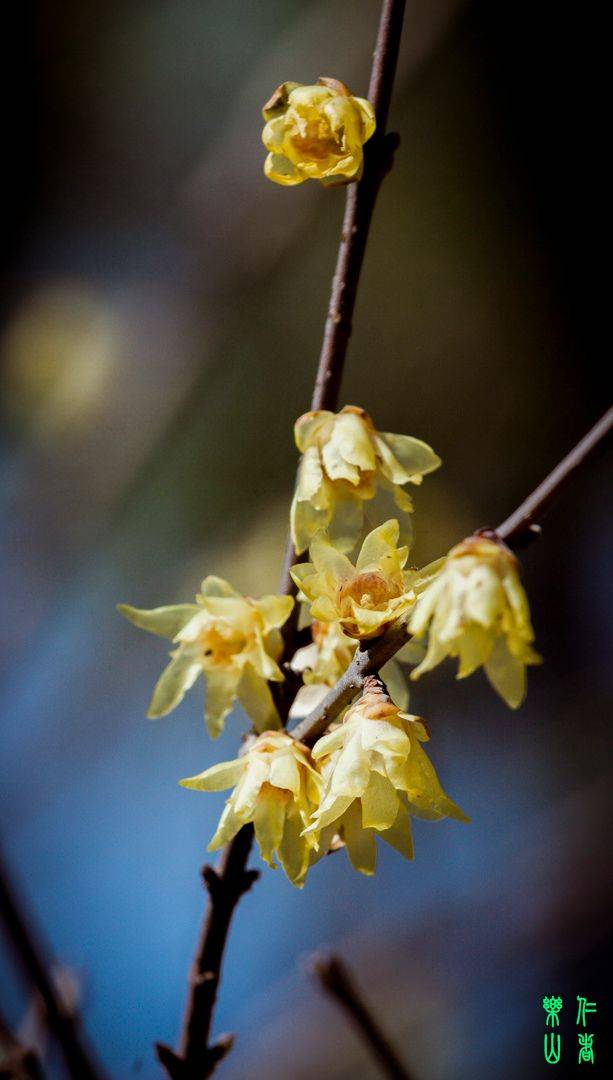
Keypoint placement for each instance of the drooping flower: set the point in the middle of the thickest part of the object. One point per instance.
(276, 787)
(316, 133)
(233, 640)
(476, 609)
(345, 464)
(375, 775)
(363, 599)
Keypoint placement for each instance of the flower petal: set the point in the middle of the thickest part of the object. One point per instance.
(224, 775)
(173, 683)
(165, 621)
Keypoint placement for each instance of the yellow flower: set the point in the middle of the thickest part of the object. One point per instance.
(277, 788)
(375, 775)
(345, 463)
(363, 599)
(477, 610)
(232, 640)
(316, 133)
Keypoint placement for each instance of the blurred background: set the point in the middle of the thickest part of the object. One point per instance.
(162, 315)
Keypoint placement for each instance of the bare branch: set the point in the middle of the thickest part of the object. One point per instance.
(31, 957)
(517, 531)
(337, 981)
(195, 1058)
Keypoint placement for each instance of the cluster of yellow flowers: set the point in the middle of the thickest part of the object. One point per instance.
(368, 774)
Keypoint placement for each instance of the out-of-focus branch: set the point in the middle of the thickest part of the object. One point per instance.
(337, 981)
(31, 957)
(517, 531)
(227, 884)
(17, 1062)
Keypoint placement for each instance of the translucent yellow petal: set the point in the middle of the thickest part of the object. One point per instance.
(345, 521)
(399, 835)
(361, 844)
(336, 466)
(284, 772)
(229, 825)
(379, 803)
(506, 674)
(221, 687)
(309, 426)
(351, 771)
(293, 851)
(268, 821)
(218, 777)
(367, 115)
(416, 457)
(217, 586)
(281, 171)
(378, 544)
(254, 694)
(173, 683)
(247, 791)
(274, 610)
(165, 621)
(329, 743)
(352, 438)
(327, 560)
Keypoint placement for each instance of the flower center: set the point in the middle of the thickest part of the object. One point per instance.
(220, 643)
(312, 136)
(370, 590)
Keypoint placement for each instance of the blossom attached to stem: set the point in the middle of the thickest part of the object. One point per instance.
(346, 463)
(316, 133)
(375, 776)
(363, 599)
(475, 608)
(232, 640)
(276, 787)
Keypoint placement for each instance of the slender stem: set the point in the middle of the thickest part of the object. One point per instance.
(521, 526)
(30, 955)
(517, 531)
(195, 1058)
(338, 982)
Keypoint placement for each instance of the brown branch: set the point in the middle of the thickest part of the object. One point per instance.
(30, 954)
(517, 531)
(17, 1062)
(337, 981)
(195, 1058)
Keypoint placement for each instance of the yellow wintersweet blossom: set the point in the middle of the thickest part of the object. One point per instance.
(232, 640)
(316, 133)
(363, 599)
(476, 609)
(276, 787)
(375, 775)
(346, 463)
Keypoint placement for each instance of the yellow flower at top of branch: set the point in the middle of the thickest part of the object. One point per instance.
(277, 788)
(345, 464)
(232, 640)
(316, 133)
(375, 775)
(475, 608)
(363, 599)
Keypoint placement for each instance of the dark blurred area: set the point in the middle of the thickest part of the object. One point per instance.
(163, 306)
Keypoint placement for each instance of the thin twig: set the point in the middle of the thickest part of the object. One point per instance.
(517, 531)
(195, 1058)
(337, 981)
(31, 956)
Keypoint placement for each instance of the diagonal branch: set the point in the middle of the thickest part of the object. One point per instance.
(30, 955)
(196, 1059)
(517, 531)
(338, 982)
